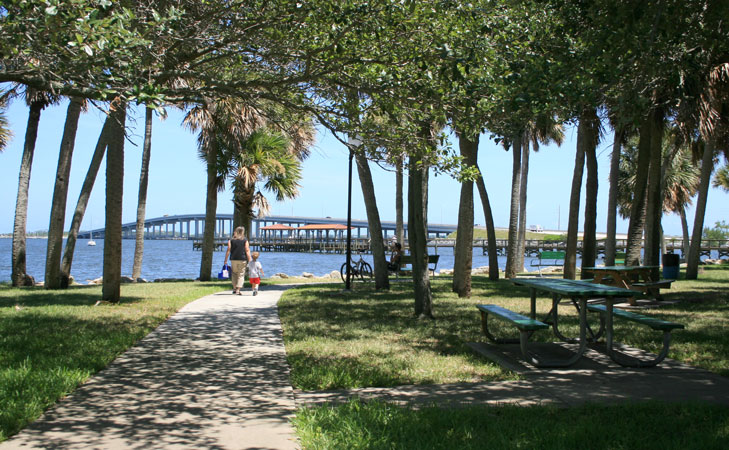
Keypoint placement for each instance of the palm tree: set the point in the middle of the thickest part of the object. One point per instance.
(707, 115)
(681, 177)
(648, 129)
(592, 139)
(266, 157)
(490, 227)
(82, 202)
(111, 288)
(377, 244)
(570, 259)
(681, 180)
(36, 101)
(399, 221)
(54, 251)
(464, 236)
(142, 197)
(418, 219)
(721, 178)
(619, 132)
(512, 256)
(544, 130)
(222, 123)
(5, 133)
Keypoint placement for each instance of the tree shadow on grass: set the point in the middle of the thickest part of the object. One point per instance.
(192, 382)
(365, 320)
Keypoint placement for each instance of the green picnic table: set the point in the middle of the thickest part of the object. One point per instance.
(579, 292)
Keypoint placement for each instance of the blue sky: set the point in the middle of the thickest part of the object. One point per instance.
(177, 181)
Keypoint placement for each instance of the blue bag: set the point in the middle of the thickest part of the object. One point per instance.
(224, 273)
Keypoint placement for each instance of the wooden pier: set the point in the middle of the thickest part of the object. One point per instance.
(533, 246)
(295, 245)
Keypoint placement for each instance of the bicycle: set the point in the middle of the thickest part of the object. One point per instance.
(359, 269)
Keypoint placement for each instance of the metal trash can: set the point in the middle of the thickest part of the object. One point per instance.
(670, 266)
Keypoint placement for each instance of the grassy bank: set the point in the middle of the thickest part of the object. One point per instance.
(501, 233)
(371, 339)
(52, 341)
(650, 425)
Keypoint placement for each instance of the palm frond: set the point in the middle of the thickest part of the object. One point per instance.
(261, 204)
(721, 178)
(5, 133)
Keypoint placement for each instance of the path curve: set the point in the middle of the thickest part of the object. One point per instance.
(214, 376)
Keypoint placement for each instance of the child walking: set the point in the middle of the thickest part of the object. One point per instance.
(255, 272)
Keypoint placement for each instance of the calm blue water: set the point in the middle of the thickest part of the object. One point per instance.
(176, 259)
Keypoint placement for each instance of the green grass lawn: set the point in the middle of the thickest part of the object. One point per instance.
(369, 338)
(52, 341)
(649, 425)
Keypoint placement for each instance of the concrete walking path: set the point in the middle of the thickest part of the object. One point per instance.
(213, 376)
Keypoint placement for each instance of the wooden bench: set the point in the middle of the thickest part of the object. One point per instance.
(653, 288)
(406, 265)
(654, 323)
(524, 324)
(549, 258)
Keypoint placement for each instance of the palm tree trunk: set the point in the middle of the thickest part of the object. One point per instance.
(637, 210)
(211, 206)
(142, 198)
(684, 228)
(570, 259)
(54, 251)
(654, 196)
(463, 251)
(239, 219)
(589, 238)
(418, 237)
(243, 199)
(111, 289)
(512, 246)
(18, 276)
(490, 228)
(523, 203)
(83, 200)
(612, 211)
(377, 244)
(399, 220)
(694, 255)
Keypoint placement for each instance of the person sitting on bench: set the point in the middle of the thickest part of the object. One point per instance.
(394, 263)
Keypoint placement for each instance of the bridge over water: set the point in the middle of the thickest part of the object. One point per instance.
(191, 226)
(297, 233)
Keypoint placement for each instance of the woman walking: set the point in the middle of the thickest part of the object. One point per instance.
(240, 254)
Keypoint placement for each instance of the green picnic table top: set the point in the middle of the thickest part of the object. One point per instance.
(575, 288)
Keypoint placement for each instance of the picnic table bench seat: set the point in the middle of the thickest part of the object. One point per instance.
(406, 265)
(548, 258)
(524, 324)
(653, 288)
(654, 323)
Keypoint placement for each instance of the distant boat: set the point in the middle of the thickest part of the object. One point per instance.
(91, 242)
